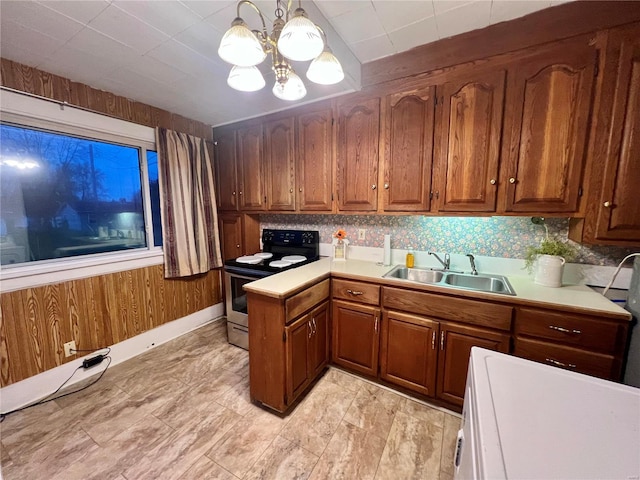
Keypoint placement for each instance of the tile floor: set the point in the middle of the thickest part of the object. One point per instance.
(182, 411)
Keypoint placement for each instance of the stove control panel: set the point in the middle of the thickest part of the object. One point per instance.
(293, 238)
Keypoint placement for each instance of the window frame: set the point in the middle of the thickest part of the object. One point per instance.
(24, 110)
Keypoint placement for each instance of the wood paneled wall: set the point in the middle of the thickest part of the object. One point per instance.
(105, 309)
(95, 312)
(27, 79)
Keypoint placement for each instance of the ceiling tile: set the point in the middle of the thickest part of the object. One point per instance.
(65, 63)
(373, 48)
(204, 8)
(159, 71)
(82, 12)
(334, 8)
(101, 46)
(116, 23)
(183, 58)
(359, 25)
(168, 17)
(465, 18)
(40, 18)
(503, 10)
(221, 20)
(202, 38)
(441, 6)
(419, 33)
(14, 34)
(17, 52)
(395, 15)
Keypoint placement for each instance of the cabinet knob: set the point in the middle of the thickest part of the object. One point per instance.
(291, 190)
(607, 204)
(238, 246)
(512, 180)
(492, 181)
(240, 193)
(233, 193)
(386, 186)
(373, 187)
(300, 190)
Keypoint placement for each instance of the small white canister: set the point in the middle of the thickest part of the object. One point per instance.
(549, 269)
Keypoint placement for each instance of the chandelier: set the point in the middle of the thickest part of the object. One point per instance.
(296, 38)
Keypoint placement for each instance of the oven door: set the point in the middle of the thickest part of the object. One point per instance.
(236, 298)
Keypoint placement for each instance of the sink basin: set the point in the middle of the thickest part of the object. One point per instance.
(484, 283)
(480, 283)
(421, 275)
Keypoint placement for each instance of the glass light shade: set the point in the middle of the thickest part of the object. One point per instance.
(300, 39)
(245, 79)
(292, 90)
(325, 69)
(240, 46)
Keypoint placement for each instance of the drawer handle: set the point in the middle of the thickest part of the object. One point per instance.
(355, 292)
(564, 330)
(559, 364)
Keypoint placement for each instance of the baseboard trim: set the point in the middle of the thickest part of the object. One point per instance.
(34, 388)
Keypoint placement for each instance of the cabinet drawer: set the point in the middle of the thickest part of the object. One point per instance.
(359, 291)
(450, 308)
(576, 360)
(572, 330)
(307, 299)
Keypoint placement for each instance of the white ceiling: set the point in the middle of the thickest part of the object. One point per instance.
(164, 52)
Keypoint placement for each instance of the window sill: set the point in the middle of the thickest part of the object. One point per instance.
(28, 276)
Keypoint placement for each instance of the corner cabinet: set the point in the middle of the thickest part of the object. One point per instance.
(467, 149)
(279, 160)
(614, 213)
(549, 96)
(289, 343)
(408, 145)
(357, 154)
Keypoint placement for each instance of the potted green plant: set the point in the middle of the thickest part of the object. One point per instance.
(548, 258)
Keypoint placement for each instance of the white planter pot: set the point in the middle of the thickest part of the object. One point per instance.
(549, 269)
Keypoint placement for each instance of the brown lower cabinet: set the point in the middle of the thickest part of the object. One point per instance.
(307, 349)
(356, 336)
(432, 357)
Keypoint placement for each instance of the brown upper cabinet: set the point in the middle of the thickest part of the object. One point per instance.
(249, 149)
(467, 150)
(614, 213)
(357, 154)
(407, 119)
(279, 137)
(314, 163)
(226, 174)
(549, 93)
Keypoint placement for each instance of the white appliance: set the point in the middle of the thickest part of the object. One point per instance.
(525, 420)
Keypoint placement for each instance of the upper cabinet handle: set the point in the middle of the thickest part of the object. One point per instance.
(492, 181)
(386, 186)
(373, 187)
(300, 189)
(607, 204)
(512, 180)
(291, 190)
(233, 193)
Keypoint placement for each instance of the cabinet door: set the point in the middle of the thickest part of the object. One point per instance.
(231, 236)
(314, 168)
(355, 337)
(250, 167)
(279, 163)
(408, 150)
(619, 207)
(546, 119)
(226, 174)
(453, 360)
(298, 335)
(357, 162)
(409, 351)
(319, 341)
(468, 143)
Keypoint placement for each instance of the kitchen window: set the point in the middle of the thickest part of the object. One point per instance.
(78, 190)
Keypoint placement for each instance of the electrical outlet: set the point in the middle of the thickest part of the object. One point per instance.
(361, 233)
(68, 347)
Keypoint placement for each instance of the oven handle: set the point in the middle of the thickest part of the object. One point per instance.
(237, 275)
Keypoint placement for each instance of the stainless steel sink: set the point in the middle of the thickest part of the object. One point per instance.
(421, 275)
(480, 283)
(484, 283)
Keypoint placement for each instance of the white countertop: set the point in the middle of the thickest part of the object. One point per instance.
(578, 297)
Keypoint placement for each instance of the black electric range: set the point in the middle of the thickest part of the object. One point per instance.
(280, 243)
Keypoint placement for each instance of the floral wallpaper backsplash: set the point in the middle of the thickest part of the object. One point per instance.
(503, 237)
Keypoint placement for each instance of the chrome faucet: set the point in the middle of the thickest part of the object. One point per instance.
(473, 264)
(447, 259)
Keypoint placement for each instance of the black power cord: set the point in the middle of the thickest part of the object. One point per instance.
(87, 363)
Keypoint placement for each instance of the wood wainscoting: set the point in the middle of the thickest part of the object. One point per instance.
(95, 312)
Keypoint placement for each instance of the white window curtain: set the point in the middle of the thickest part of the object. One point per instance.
(190, 238)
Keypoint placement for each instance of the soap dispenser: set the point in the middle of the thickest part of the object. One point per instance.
(410, 261)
